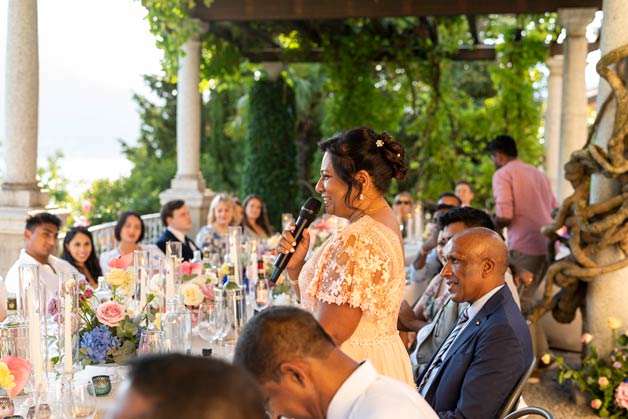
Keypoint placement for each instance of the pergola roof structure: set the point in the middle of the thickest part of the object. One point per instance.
(252, 25)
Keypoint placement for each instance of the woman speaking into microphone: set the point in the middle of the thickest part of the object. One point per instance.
(354, 282)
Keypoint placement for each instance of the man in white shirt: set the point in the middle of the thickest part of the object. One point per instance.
(304, 375)
(40, 240)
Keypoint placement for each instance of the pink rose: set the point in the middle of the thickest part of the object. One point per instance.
(617, 364)
(621, 395)
(208, 291)
(89, 293)
(602, 381)
(110, 313)
(596, 404)
(586, 338)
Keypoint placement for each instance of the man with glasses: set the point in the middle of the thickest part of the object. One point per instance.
(304, 375)
(402, 207)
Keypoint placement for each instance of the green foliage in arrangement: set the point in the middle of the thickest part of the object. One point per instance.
(269, 166)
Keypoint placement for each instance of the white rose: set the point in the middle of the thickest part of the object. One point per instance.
(192, 294)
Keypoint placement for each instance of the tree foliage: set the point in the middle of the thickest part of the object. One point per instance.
(269, 167)
(394, 74)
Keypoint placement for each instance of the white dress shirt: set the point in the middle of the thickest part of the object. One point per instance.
(47, 272)
(367, 395)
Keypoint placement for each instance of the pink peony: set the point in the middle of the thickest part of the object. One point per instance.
(596, 404)
(602, 381)
(617, 364)
(20, 369)
(621, 395)
(189, 268)
(110, 313)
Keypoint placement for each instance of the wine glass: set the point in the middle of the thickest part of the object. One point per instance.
(261, 293)
(211, 322)
(79, 400)
(151, 341)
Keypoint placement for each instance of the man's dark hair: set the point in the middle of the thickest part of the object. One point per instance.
(122, 220)
(504, 144)
(448, 195)
(180, 386)
(469, 216)
(42, 218)
(277, 335)
(464, 182)
(169, 208)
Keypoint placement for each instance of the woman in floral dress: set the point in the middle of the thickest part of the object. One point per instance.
(354, 282)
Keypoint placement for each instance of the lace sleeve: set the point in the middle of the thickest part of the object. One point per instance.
(355, 270)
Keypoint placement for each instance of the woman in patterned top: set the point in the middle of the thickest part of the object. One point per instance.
(354, 282)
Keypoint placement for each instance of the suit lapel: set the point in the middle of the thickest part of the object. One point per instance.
(473, 327)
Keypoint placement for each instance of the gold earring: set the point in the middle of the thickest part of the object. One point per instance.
(361, 197)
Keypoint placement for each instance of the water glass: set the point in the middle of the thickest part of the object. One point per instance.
(151, 341)
(173, 248)
(212, 322)
(261, 293)
(79, 399)
(286, 220)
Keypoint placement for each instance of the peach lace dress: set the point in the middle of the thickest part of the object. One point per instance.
(363, 266)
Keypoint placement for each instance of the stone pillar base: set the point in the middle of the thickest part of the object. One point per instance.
(24, 198)
(12, 221)
(195, 198)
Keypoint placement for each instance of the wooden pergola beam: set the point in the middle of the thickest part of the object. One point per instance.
(250, 10)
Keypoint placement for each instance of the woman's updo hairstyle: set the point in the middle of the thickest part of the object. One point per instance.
(362, 149)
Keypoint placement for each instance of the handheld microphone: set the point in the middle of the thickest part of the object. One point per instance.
(308, 213)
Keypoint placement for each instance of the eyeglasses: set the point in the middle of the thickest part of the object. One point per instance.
(399, 202)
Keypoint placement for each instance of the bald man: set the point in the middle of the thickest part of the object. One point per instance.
(479, 364)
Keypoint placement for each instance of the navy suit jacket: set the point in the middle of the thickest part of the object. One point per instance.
(186, 251)
(484, 364)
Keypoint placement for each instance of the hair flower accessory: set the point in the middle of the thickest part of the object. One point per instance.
(379, 143)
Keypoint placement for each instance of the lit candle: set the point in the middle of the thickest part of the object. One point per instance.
(34, 335)
(143, 284)
(67, 331)
(169, 277)
(418, 222)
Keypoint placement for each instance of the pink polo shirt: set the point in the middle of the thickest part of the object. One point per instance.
(523, 194)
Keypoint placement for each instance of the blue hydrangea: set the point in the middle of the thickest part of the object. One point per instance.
(98, 342)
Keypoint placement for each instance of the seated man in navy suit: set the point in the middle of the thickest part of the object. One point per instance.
(175, 216)
(479, 364)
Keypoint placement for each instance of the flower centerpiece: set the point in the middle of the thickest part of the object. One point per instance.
(605, 380)
(110, 330)
(197, 286)
(323, 227)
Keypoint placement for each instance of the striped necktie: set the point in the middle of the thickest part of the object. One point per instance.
(440, 355)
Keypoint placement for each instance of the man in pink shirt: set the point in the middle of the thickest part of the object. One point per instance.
(523, 202)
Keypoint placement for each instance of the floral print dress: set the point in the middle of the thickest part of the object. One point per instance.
(363, 266)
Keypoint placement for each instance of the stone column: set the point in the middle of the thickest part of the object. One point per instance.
(552, 120)
(188, 183)
(606, 293)
(573, 126)
(19, 193)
